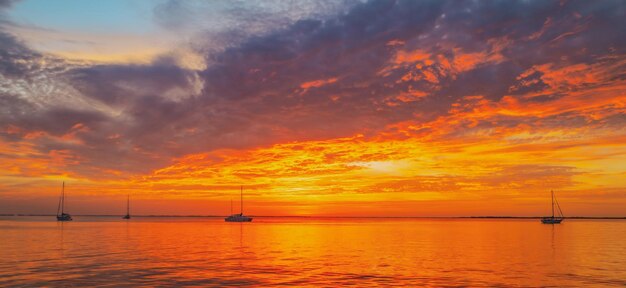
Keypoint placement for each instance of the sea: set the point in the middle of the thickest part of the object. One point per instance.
(310, 252)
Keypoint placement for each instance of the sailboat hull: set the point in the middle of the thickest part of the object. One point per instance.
(64, 217)
(551, 220)
(238, 218)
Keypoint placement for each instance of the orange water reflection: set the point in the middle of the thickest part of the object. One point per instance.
(312, 252)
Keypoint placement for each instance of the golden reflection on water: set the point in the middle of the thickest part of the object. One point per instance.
(311, 252)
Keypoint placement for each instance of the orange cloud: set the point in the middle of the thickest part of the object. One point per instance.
(403, 57)
(317, 83)
(428, 67)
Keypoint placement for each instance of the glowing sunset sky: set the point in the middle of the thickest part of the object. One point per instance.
(354, 108)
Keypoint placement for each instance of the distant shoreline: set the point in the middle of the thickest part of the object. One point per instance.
(328, 217)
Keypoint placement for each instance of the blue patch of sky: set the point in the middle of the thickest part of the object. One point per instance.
(96, 16)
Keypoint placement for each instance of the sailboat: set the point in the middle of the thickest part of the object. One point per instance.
(238, 217)
(553, 219)
(63, 216)
(127, 208)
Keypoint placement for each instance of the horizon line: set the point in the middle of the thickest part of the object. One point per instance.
(320, 216)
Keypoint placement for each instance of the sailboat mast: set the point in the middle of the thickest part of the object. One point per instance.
(552, 194)
(128, 204)
(241, 199)
(59, 207)
(63, 198)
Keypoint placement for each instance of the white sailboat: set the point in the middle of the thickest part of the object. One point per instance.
(61, 215)
(238, 217)
(553, 219)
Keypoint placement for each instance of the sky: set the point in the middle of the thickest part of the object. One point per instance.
(315, 108)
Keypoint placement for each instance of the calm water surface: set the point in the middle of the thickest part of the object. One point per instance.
(106, 252)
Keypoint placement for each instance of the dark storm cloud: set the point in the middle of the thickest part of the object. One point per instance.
(121, 84)
(16, 60)
(321, 78)
(263, 75)
(15, 57)
(263, 71)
